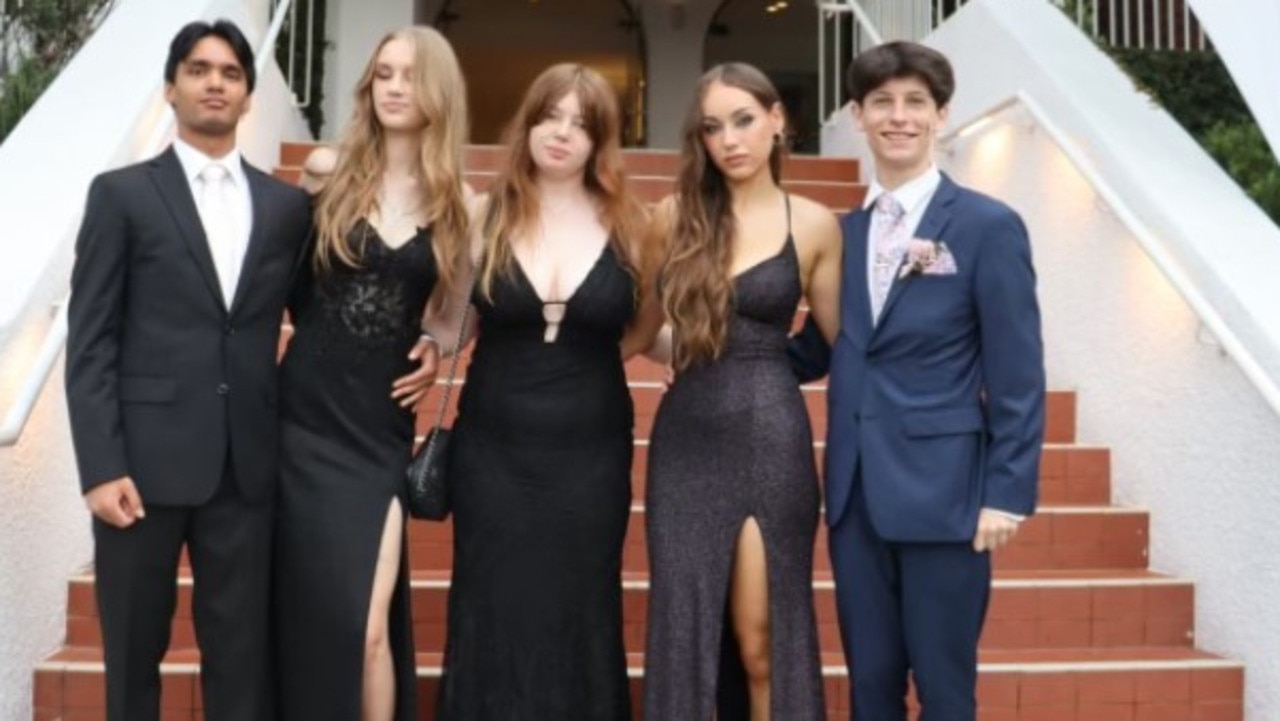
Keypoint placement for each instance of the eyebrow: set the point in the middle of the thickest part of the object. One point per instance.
(733, 114)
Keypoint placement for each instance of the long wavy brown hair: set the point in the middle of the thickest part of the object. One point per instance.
(352, 191)
(697, 290)
(513, 197)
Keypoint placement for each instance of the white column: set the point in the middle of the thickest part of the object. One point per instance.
(675, 33)
(353, 28)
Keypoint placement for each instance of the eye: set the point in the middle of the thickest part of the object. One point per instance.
(709, 129)
(743, 121)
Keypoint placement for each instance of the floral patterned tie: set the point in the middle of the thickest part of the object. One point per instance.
(890, 243)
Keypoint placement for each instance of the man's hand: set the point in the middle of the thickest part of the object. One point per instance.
(116, 503)
(409, 389)
(995, 529)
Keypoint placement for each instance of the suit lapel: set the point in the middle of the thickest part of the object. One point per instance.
(857, 310)
(257, 233)
(175, 191)
(934, 221)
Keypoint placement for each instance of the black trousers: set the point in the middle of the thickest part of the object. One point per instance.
(229, 545)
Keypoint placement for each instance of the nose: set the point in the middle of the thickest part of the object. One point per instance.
(898, 112)
(563, 127)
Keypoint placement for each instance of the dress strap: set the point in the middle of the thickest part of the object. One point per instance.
(787, 197)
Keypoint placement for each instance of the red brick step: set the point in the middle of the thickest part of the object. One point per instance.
(1148, 684)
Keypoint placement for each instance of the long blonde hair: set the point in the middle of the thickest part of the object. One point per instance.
(351, 193)
(513, 198)
(697, 290)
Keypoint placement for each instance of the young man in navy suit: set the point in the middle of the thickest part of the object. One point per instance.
(936, 400)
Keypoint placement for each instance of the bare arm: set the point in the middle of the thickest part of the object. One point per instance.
(649, 335)
(822, 289)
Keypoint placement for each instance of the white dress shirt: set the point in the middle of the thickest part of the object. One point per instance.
(193, 163)
(914, 196)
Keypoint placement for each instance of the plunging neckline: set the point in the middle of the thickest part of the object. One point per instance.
(528, 283)
(417, 233)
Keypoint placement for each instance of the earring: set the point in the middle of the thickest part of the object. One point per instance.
(777, 139)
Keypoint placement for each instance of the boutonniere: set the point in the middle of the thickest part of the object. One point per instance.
(927, 257)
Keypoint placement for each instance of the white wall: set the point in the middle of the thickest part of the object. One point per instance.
(1193, 439)
(1244, 33)
(100, 113)
(354, 27)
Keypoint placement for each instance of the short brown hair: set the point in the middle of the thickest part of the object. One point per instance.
(901, 59)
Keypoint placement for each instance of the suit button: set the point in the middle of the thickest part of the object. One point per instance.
(228, 329)
(223, 389)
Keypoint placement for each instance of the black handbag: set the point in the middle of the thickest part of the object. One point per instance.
(427, 478)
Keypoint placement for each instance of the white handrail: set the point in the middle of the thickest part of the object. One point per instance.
(56, 338)
(1226, 338)
(855, 7)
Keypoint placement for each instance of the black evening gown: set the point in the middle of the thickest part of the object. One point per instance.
(732, 440)
(541, 491)
(345, 445)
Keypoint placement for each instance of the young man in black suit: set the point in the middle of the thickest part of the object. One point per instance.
(183, 265)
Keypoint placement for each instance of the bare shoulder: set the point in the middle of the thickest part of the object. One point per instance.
(318, 168)
(812, 223)
(321, 161)
(663, 217)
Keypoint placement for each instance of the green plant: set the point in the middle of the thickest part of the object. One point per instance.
(50, 33)
(1243, 152)
(308, 15)
(1197, 90)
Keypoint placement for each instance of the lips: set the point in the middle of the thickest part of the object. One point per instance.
(214, 103)
(736, 159)
(557, 153)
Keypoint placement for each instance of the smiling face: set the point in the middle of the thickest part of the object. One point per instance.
(738, 132)
(901, 121)
(559, 142)
(209, 93)
(395, 102)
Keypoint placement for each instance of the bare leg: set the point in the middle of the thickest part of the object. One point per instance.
(749, 606)
(379, 689)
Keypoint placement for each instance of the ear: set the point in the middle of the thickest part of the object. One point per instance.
(856, 110)
(777, 119)
(169, 93)
(943, 114)
(248, 103)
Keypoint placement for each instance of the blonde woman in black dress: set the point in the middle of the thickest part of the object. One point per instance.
(391, 232)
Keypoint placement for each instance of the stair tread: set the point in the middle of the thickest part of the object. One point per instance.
(1002, 578)
(89, 659)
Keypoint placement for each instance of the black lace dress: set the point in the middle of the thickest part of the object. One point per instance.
(541, 472)
(345, 444)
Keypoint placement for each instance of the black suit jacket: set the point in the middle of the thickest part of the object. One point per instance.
(167, 381)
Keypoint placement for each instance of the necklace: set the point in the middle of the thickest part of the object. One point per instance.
(389, 211)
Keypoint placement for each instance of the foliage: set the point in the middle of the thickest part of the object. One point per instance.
(308, 14)
(47, 34)
(1243, 151)
(1196, 89)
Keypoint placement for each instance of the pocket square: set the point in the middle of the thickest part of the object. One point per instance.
(928, 257)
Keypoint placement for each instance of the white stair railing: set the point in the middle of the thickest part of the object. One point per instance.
(56, 337)
(1141, 24)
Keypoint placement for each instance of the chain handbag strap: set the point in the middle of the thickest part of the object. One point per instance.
(453, 365)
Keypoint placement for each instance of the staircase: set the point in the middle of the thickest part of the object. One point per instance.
(1079, 628)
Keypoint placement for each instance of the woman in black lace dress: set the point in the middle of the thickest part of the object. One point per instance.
(732, 504)
(391, 231)
(541, 464)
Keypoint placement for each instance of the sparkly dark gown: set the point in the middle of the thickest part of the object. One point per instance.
(732, 440)
(541, 490)
(345, 445)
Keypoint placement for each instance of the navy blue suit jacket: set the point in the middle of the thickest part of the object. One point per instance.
(941, 404)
